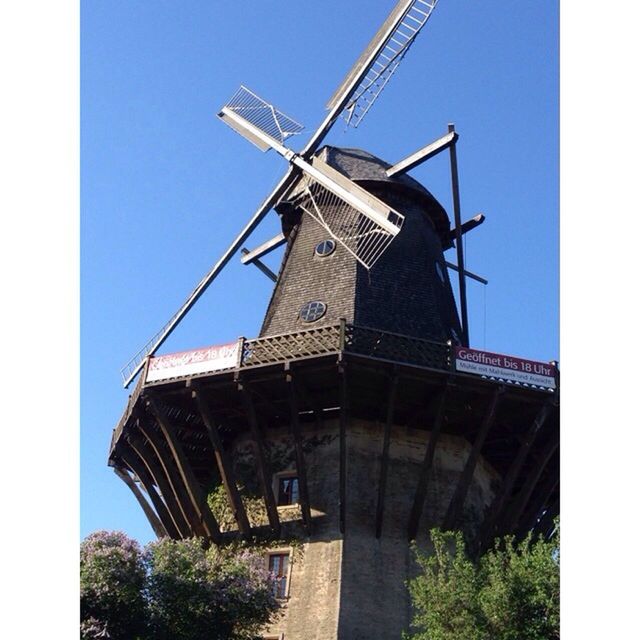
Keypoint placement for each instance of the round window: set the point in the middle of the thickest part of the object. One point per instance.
(440, 271)
(325, 248)
(313, 311)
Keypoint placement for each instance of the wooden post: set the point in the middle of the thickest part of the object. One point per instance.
(301, 467)
(344, 416)
(457, 501)
(427, 463)
(225, 466)
(512, 516)
(146, 454)
(384, 456)
(241, 341)
(546, 526)
(264, 470)
(455, 188)
(152, 517)
(488, 527)
(198, 499)
(532, 514)
(131, 459)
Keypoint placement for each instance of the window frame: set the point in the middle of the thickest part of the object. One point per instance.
(285, 475)
(282, 551)
(307, 306)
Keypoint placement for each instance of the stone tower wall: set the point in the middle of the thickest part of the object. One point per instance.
(353, 586)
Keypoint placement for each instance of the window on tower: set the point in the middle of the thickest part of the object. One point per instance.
(325, 248)
(279, 570)
(313, 311)
(288, 490)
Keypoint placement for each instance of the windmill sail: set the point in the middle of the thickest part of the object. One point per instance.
(249, 107)
(358, 233)
(393, 39)
(362, 223)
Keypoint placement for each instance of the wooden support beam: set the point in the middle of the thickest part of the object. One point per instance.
(301, 466)
(462, 488)
(496, 509)
(263, 249)
(303, 393)
(455, 188)
(467, 226)
(134, 463)
(546, 525)
(533, 512)
(264, 470)
(165, 478)
(194, 491)
(427, 464)
(225, 467)
(344, 417)
(514, 512)
(423, 154)
(157, 526)
(468, 274)
(384, 456)
(256, 262)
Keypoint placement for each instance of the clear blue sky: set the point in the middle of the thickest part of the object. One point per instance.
(165, 186)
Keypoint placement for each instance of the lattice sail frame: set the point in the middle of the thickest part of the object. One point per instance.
(386, 63)
(359, 234)
(262, 115)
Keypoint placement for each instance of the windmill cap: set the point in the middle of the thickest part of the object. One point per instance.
(369, 171)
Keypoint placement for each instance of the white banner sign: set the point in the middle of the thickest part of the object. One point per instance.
(510, 368)
(187, 363)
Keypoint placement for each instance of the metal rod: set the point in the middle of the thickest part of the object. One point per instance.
(456, 212)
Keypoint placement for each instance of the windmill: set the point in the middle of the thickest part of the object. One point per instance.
(359, 418)
(355, 218)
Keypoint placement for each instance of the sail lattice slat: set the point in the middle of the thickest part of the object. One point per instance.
(359, 234)
(263, 115)
(385, 65)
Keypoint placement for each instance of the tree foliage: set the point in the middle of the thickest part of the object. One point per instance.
(171, 590)
(195, 594)
(112, 581)
(511, 593)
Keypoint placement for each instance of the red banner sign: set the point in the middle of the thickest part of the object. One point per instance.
(185, 363)
(509, 368)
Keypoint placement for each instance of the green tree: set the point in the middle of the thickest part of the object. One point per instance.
(197, 594)
(511, 593)
(112, 579)
(171, 590)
